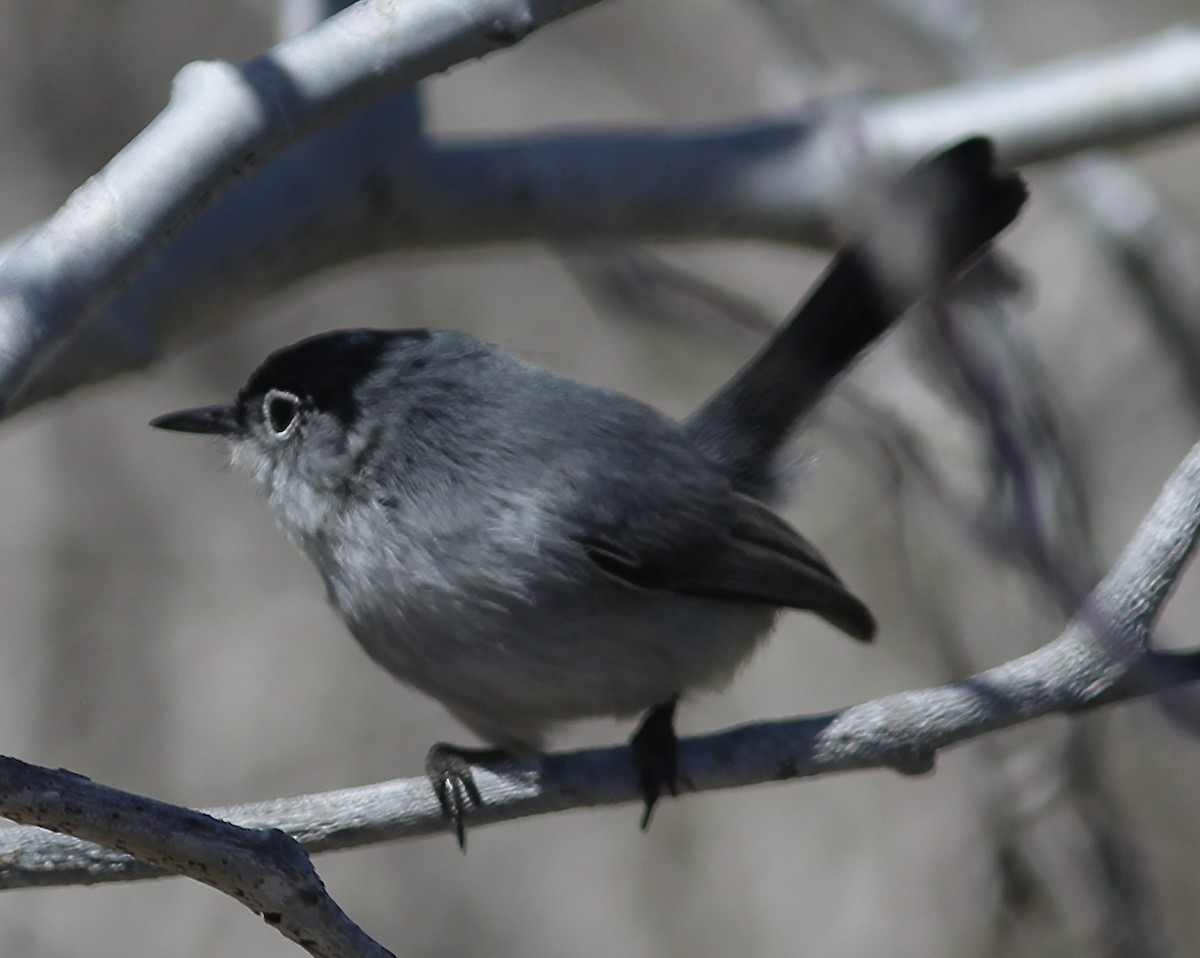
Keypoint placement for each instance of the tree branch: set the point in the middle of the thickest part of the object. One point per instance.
(1102, 657)
(221, 122)
(371, 183)
(265, 870)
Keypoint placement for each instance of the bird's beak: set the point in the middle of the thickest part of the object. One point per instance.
(214, 420)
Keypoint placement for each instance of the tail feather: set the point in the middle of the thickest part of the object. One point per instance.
(927, 228)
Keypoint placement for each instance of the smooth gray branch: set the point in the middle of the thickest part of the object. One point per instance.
(1102, 657)
(222, 121)
(372, 183)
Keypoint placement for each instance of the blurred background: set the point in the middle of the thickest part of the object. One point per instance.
(160, 634)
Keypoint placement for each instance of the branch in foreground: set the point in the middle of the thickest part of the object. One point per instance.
(1101, 658)
(771, 179)
(223, 120)
(265, 870)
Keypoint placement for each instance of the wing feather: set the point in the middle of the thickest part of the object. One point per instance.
(760, 559)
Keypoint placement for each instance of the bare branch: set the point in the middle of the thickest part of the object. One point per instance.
(223, 120)
(265, 870)
(772, 179)
(1101, 658)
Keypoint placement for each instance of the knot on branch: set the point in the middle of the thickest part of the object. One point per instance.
(507, 33)
(911, 758)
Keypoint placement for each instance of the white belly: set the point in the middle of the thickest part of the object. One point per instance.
(511, 665)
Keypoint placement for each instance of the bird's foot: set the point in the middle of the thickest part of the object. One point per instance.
(655, 750)
(449, 769)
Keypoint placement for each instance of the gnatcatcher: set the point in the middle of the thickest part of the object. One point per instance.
(530, 550)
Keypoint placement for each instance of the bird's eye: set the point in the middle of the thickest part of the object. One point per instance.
(281, 410)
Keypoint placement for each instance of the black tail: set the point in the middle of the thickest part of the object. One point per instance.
(926, 229)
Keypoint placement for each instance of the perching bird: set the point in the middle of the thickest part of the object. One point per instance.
(531, 550)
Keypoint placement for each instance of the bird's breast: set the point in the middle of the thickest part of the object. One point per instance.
(505, 619)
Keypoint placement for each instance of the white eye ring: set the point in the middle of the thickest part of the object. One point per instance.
(281, 412)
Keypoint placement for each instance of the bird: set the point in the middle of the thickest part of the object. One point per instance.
(530, 550)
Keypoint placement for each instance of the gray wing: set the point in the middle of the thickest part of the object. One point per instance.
(753, 556)
(653, 512)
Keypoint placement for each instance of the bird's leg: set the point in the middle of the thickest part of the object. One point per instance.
(448, 768)
(655, 750)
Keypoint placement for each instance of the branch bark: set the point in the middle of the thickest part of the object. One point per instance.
(1102, 657)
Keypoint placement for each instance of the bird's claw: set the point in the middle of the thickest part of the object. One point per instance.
(655, 754)
(449, 769)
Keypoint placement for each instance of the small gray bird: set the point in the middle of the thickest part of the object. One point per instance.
(531, 550)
